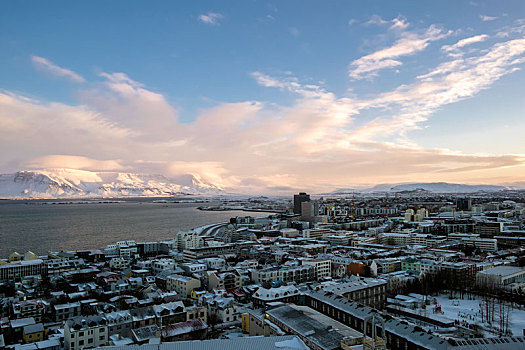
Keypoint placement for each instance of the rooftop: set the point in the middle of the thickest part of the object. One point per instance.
(288, 342)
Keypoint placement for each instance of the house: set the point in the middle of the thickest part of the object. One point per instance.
(228, 280)
(29, 308)
(143, 316)
(63, 312)
(119, 322)
(145, 334)
(85, 332)
(222, 308)
(33, 333)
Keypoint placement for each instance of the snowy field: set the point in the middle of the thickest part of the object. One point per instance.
(469, 311)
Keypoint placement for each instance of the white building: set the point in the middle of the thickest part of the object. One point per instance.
(225, 309)
(191, 268)
(188, 240)
(118, 263)
(323, 267)
(182, 285)
(160, 265)
(214, 263)
(85, 332)
(509, 277)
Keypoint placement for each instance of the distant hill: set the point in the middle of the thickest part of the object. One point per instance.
(69, 183)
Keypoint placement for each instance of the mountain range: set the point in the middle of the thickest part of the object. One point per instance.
(434, 187)
(70, 183)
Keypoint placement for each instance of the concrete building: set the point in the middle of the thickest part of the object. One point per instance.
(229, 280)
(317, 331)
(192, 254)
(298, 199)
(297, 274)
(29, 308)
(473, 240)
(316, 233)
(508, 277)
(63, 312)
(366, 291)
(183, 285)
(16, 270)
(323, 267)
(285, 294)
(188, 240)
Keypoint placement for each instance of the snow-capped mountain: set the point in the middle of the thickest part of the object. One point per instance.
(435, 187)
(69, 183)
(444, 187)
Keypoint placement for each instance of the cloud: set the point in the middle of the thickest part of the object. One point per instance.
(409, 44)
(319, 141)
(74, 162)
(487, 18)
(399, 23)
(448, 83)
(132, 106)
(49, 67)
(295, 32)
(376, 20)
(453, 50)
(211, 18)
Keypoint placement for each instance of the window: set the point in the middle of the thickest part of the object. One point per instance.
(81, 334)
(81, 342)
(90, 340)
(101, 337)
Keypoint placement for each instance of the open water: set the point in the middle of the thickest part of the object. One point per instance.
(40, 226)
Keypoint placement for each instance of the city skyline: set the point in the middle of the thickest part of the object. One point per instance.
(267, 97)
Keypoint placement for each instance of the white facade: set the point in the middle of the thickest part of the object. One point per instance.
(323, 268)
(81, 333)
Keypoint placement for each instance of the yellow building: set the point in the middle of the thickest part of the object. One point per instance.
(33, 333)
(196, 294)
(245, 323)
(14, 257)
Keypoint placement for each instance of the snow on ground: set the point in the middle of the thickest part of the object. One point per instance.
(468, 310)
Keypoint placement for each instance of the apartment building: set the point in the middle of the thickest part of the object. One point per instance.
(29, 308)
(229, 280)
(298, 274)
(323, 267)
(183, 285)
(366, 291)
(16, 270)
(85, 332)
(63, 312)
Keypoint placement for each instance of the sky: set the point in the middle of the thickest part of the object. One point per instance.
(266, 96)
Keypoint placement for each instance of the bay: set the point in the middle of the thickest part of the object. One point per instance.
(40, 226)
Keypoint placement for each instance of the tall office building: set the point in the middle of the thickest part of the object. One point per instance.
(464, 204)
(298, 199)
(309, 210)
